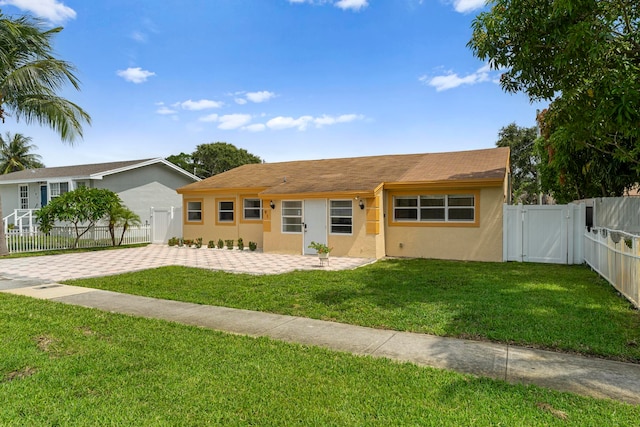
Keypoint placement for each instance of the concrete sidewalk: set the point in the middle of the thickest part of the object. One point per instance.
(587, 376)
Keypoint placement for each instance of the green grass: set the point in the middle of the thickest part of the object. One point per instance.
(564, 308)
(72, 366)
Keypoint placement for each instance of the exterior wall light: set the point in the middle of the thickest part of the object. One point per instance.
(273, 205)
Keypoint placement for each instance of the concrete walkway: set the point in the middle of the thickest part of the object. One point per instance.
(587, 376)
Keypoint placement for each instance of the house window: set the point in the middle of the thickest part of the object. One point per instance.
(341, 216)
(291, 216)
(24, 196)
(194, 211)
(58, 189)
(435, 208)
(252, 209)
(225, 211)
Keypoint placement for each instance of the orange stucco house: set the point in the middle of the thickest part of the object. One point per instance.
(438, 205)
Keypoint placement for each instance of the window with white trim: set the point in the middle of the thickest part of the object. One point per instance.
(57, 189)
(194, 211)
(435, 208)
(24, 196)
(341, 216)
(291, 216)
(226, 211)
(252, 209)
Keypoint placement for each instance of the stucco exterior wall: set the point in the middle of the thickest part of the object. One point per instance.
(281, 243)
(210, 229)
(469, 243)
(143, 188)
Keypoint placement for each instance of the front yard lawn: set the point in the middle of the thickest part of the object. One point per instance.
(557, 307)
(71, 366)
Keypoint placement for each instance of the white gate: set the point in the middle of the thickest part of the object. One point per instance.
(165, 223)
(547, 234)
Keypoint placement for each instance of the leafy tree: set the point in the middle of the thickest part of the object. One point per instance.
(82, 207)
(572, 171)
(184, 161)
(121, 216)
(15, 154)
(524, 161)
(584, 57)
(30, 78)
(214, 158)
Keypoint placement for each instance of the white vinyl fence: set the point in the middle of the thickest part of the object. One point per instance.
(615, 255)
(64, 238)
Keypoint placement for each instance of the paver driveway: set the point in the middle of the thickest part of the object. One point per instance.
(102, 263)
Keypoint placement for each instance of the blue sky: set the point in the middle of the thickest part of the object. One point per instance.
(283, 79)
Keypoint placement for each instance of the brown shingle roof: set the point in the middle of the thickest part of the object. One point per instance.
(359, 174)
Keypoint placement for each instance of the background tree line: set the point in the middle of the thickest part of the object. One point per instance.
(213, 158)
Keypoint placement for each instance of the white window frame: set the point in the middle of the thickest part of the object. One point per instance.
(287, 206)
(246, 209)
(192, 209)
(55, 189)
(332, 216)
(23, 195)
(447, 207)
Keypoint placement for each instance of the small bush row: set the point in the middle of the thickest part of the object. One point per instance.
(220, 244)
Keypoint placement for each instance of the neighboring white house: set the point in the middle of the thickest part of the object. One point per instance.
(141, 184)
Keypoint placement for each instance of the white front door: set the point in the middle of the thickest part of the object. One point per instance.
(315, 223)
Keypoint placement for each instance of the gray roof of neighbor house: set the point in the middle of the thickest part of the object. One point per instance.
(360, 174)
(89, 171)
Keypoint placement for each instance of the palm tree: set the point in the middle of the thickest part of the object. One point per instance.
(30, 77)
(15, 154)
(121, 216)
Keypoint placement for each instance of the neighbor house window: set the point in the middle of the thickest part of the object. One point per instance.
(24, 196)
(291, 216)
(252, 209)
(435, 208)
(225, 211)
(194, 211)
(58, 188)
(341, 216)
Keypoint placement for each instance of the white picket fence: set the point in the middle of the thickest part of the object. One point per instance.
(615, 255)
(64, 238)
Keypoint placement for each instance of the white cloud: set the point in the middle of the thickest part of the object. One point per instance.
(240, 101)
(278, 123)
(164, 110)
(203, 104)
(330, 120)
(233, 121)
(135, 75)
(351, 4)
(209, 118)
(464, 6)
(139, 37)
(257, 127)
(52, 10)
(452, 80)
(342, 4)
(258, 97)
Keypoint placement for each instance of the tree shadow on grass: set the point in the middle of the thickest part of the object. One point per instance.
(547, 306)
